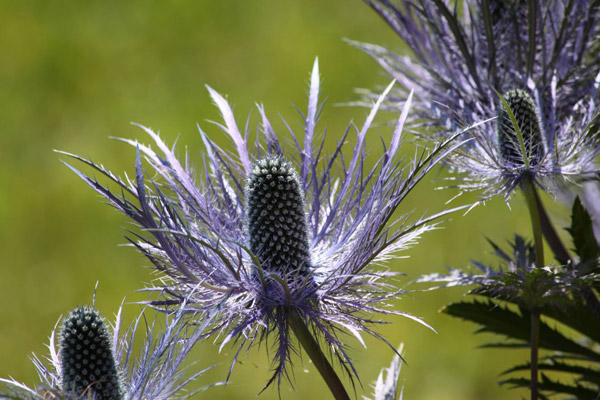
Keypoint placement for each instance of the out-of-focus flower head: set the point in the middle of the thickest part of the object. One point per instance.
(269, 231)
(462, 58)
(97, 363)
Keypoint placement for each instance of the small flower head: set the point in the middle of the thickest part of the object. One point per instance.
(544, 53)
(528, 130)
(277, 231)
(86, 357)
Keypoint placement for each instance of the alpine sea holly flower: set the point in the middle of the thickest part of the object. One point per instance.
(89, 365)
(277, 237)
(462, 59)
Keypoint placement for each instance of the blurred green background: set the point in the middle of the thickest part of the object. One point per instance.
(74, 73)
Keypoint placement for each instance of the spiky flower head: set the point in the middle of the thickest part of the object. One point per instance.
(462, 58)
(528, 130)
(154, 372)
(276, 218)
(86, 356)
(277, 230)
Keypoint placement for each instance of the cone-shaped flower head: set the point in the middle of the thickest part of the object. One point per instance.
(86, 356)
(277, 230)
(527, 118)
(463, 56)
(276, 218)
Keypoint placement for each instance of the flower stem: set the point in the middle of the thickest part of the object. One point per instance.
(557, 246)
(530, 194)
(313, 350)
(535, 340)
(536, 224)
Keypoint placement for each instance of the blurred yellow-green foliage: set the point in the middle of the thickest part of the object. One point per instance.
(74, 73)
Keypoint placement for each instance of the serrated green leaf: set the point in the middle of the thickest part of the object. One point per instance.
(500, 320)
(549, 385)
(576, 316)
(582, 233)
(585, 372)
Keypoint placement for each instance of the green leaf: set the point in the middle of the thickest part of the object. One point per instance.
(503, 321)
(582, 232)
(586, 372)
(546, 384)
(578, 316)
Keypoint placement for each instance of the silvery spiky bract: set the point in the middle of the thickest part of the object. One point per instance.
(219, 235)
(155, 371)
(462, 59)
(86, 357)
(386, 386)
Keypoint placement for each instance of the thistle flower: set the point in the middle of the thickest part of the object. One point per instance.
(90, 365)
(272, 236)
(461, 60)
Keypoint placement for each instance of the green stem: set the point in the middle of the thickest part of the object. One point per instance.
(313, 350)
(535, 341)
(536, 225)
(557, 246)
(530, 194)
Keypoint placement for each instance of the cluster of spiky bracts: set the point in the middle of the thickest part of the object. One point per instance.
(276, 218)
(87, 361)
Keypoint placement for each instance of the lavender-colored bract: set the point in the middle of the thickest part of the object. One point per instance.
(463, 58)
(199, 238)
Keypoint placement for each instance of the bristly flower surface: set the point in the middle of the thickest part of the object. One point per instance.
(86, 358)
(155, 371)
(462, 59)
(270, 231)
